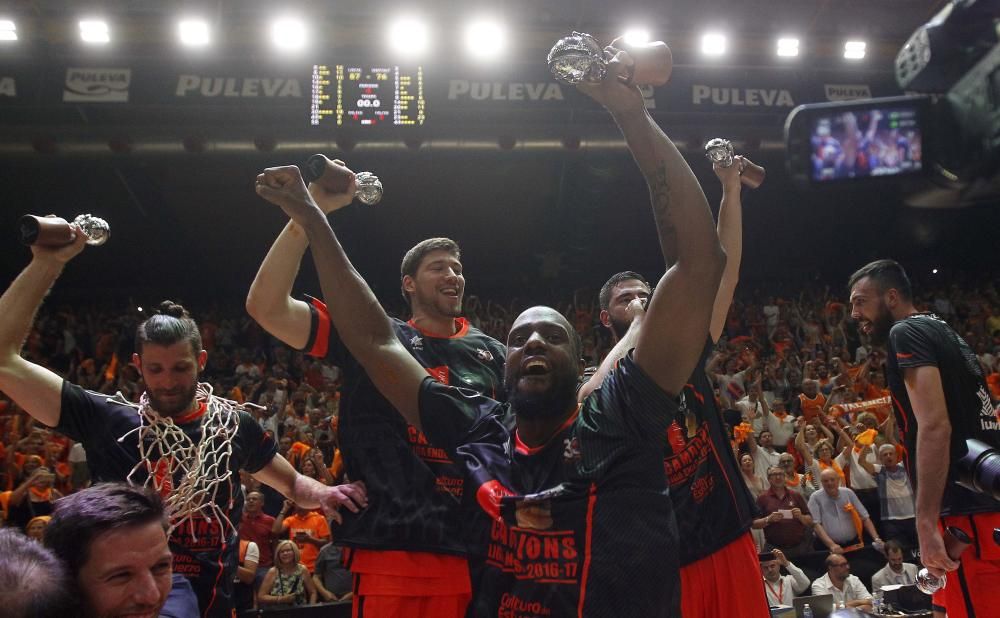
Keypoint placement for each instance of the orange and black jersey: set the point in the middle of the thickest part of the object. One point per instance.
(711, 502)
(414, 486)
(925, 339)
(580, 526)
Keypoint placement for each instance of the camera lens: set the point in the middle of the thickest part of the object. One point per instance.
(979, 469)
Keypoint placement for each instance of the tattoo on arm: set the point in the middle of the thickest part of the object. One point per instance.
(659, 192)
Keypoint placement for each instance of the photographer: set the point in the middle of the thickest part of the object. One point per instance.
(942, 401)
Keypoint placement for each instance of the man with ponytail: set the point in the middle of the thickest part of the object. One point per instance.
(180, 439)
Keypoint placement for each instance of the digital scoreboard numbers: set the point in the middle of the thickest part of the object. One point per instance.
(345, 95)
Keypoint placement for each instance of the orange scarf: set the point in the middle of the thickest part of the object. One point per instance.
(836, 467)
(853, 512)
(40, 495)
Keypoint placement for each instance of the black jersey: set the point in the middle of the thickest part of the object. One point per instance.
(414, 487)
(203, 552)
(925, 339)
(711, 502)
(581, 526)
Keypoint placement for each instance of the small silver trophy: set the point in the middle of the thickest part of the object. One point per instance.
(369, 188)
(336, 179)
(56, 232)
(721, 151)
(578, 58)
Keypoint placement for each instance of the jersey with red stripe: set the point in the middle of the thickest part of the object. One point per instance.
(712, 503)
(924, 339)
(414, 486)
(580, 526)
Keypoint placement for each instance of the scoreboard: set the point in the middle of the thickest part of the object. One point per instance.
(366, 95)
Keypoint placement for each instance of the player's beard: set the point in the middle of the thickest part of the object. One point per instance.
(881, 325)
(549, 404)
(619, 327)
(183, 403)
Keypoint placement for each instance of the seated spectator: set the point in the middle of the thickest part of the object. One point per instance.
(847, 589)
(33, 497)
(895, 571)
(895, 494)
(781, 589)
(112, 537)
(839, 515)
(333, 581)
(35, 530)
(288, 582)
(33, 581)
(787, 524)
(307, 529)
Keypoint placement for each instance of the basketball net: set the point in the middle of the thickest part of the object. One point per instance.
(188, 474)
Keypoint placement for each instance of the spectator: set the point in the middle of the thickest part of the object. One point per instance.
(754, 483)
(33, 581)
(787, 523)
(287, 583)
(256, 526)
(308, 529)
(762, 451)
(33, 497)
(779, 422)
(839, 515)
(895, 494)
(794, 481)
(333, 581)
(244, 588)
(895, 571)
(781, 589)
(35, 530)
(846, 589)
(112, 537)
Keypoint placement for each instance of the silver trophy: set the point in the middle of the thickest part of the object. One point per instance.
(56, 231)
(721, 151)
(369, 188)
(578, 58)
(96, 229)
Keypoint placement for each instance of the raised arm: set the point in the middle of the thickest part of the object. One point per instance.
(620, 349)
(679, 312)
(730, 231)
(360, 320)
(270, 300)
(31, 386)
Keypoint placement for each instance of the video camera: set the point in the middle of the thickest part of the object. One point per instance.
(942, 139)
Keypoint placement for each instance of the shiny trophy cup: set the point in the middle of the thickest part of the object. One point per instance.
(956, 541)
(579, 58)
(721, 151)
(56, 231)
(336, 179)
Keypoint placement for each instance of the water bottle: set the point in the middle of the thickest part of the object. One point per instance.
(878, 602)
(807, 612)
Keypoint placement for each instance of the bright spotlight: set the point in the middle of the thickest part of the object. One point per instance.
(713, 44)
(193, 32)
(94, 31)
(288, 33)
(485, 39)
(636, 36)
(788, 47)
(8, 30)
(854, 50)
(409, 35)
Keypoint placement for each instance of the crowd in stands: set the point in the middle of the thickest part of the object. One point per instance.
(803, 393)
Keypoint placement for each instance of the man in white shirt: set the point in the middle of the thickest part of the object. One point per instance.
(779, 421)
(781, 589)
(896, 498)
(847, 589)
(895, 571)
(763, 453)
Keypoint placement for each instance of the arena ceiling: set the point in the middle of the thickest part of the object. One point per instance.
(533, 188)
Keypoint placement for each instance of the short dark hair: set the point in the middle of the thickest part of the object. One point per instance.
(892, 545)
(887, 275)
(605, 296)
(80, 517)
(34, 583)
(170, 324)
(411, 261)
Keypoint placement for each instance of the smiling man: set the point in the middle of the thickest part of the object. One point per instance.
(408, 550)
(581, 523)
(112, 537)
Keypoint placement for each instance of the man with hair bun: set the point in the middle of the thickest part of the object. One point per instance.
(180, 439)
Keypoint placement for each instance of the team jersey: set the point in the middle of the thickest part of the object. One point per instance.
(580, 526)
(925, 339)
(711, 502)
(204, 552)
(414, 487)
